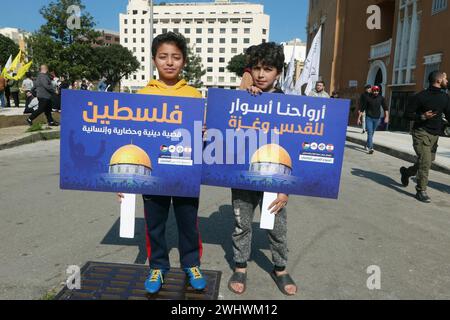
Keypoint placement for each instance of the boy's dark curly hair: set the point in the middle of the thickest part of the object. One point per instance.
(170, 37)
(268, 54)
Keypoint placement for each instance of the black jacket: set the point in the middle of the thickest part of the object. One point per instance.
(373, 106)
(432, 99)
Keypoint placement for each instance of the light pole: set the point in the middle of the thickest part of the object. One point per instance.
(151, 39)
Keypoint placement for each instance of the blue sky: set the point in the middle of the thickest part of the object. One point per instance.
(288, 17)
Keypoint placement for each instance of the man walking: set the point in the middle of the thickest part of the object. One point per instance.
(372, 108)
(14, 90)
(363, 105)
(44, 93)
(426, 109)
(319, 91)
(2, 92)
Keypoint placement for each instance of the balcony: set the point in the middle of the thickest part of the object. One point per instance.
(380, 50)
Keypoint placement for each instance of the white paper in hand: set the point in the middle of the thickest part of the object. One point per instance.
(267, 218)
(127, 216)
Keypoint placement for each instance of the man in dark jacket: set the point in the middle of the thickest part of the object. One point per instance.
(363, 105)
(426, 109)
(374, 103)
(44, 93)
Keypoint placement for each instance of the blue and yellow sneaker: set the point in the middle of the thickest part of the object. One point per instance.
(196, 279)
(155, 280)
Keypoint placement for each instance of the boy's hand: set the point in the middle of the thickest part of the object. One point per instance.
(254, 90)
(279, 203)
(120, 196)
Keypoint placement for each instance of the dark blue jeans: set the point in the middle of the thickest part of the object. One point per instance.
(371, 126)
(189, 240)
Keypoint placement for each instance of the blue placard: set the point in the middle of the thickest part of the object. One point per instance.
(130, 143)
(299, 146)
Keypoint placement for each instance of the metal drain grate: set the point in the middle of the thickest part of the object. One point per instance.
(110, 281)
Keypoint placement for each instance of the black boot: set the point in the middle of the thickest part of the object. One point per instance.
(422, 196)
(405, 177)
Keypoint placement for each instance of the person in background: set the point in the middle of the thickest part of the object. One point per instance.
(375, 103)
(247, 79)
(2, 91)
(335, 95)
(363, 105)
(44, 93)
(84, 85)
(27, 88)
(14, 90)
(102, 86)
(319, 90)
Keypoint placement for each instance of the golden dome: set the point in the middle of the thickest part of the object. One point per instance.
(131, 154)
(272, 153)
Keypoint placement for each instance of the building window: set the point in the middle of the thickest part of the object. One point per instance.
(209, 69)
(234, 30)
(126, 30)
(142, 21)
(432, 63)
(234, 40)
(134, 40)
(221, 79)
(222, 40)
(210, 50)
(234, 50)
(221, 69)
(198, 50)
(134, 31)
(223, 30)
(233, 79)
(247, 30)
(221, 50)
(246, 40)
(210, 30)
(143, 50)
(134, 21)
(264, 31)
(176, 30)
(143, 77)
(135, 12)
(438, 6)
(210, 40)
(222, 60)
(125, 21)
(187, 31)
(209, 79)
(199, 30)
(126, 40)
(407, 42)
(164, 30)
(142, 40)
(198, 40)
(210, 60)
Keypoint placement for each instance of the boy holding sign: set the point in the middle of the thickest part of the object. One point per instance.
(266, 62)
(169, 53)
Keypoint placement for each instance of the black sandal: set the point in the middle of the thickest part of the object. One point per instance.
(240, 278)
(283, 281)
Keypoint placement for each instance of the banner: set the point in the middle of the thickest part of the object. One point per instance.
(275, 143)
(130, 143)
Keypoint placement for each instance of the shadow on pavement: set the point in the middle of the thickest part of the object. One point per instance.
(381, 179)
(216, 229)
(356, 148)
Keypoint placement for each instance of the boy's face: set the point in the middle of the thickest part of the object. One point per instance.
(265, 76)
(169, 61)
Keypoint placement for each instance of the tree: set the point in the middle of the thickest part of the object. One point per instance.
(69, 51)
(67, 22)
(237, 64)
(7, 48)
(114, 62)
(193, 72)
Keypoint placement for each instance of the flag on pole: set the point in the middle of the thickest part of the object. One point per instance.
(288, 85)
(17, 67)
(7, 66)
(310, 73)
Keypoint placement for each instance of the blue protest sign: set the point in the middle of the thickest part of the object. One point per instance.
(275, 143)
(130, 143)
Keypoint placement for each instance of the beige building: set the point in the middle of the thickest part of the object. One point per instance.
(216, 31)
(412, 42)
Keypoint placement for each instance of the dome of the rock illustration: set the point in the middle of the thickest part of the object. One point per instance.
(130, 159)
(271, 159)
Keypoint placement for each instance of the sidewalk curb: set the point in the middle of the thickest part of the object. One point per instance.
(34, 137)
(398, 154)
